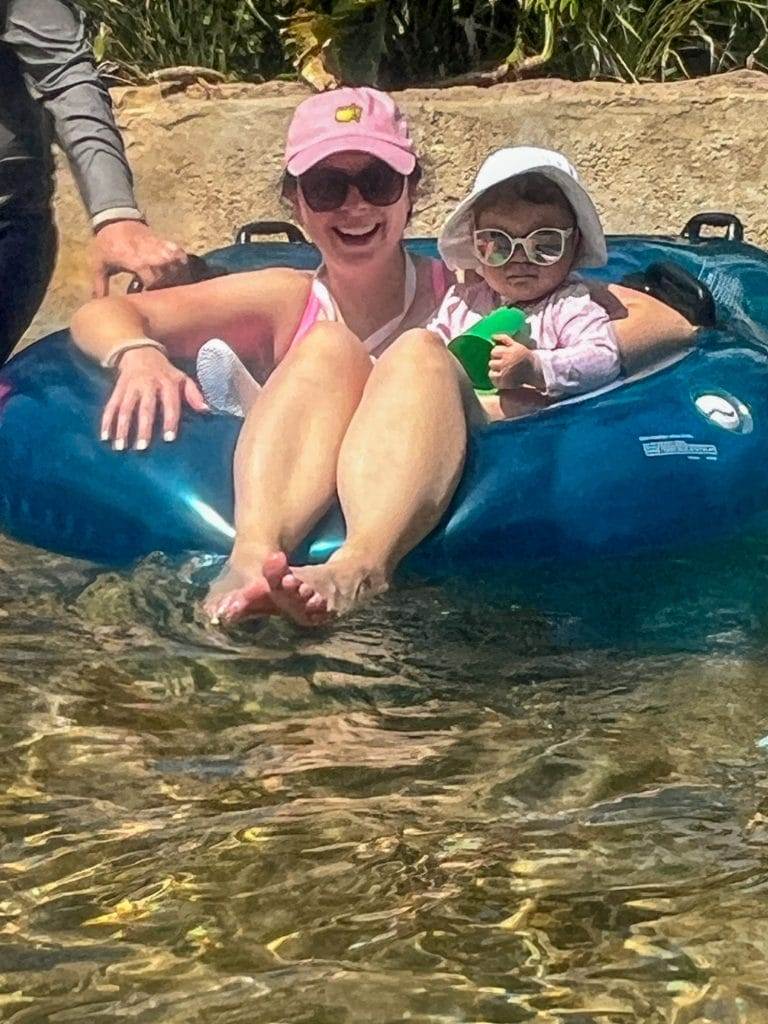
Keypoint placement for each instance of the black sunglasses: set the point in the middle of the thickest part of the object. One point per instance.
(327, 188)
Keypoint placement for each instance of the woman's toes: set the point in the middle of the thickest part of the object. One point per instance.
(291, 583)
(274, 569)
(316, 603)
(222, 611)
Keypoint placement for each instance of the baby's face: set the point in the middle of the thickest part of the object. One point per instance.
(519, 280)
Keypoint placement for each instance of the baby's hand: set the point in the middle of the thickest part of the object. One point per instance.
(511, 365)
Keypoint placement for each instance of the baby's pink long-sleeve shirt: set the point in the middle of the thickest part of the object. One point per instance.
(573, 338)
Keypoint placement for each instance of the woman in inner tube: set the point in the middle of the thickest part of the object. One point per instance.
(359, 399)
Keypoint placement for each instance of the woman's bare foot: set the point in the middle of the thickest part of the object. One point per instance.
(311, 594)
(291, 596)
(238, 594)
(308, 595)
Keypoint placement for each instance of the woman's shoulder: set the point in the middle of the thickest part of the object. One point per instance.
(271, 300)
(275, 277)
(272, 291)
(265, 280)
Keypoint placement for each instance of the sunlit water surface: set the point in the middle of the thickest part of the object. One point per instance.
(443, 809)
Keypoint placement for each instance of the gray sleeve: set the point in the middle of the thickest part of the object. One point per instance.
(48, 38)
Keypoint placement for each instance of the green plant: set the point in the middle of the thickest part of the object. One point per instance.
(238, 38)
(393, 43)
(396, 42)
(640, 40)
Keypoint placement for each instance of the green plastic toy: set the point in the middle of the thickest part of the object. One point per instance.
(473, 348)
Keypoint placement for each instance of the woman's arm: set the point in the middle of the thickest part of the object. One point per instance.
(256, 313)
(646, 329)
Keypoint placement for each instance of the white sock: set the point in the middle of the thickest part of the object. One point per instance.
(224, 380)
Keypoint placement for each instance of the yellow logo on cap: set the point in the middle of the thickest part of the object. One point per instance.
(351, 113)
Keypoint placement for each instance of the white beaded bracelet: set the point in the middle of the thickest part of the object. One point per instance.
(111, 360)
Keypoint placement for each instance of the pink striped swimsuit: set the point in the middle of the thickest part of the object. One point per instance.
(321, 307)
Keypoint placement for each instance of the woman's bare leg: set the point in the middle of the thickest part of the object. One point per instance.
(646, 329)
(285, 462)
(398, 467)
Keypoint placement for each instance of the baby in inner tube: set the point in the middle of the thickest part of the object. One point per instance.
(524, 227)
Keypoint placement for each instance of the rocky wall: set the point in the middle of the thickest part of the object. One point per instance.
(208, 159)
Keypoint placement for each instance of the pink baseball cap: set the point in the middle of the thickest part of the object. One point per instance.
(362, 120)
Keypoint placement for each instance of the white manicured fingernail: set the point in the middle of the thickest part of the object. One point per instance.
(105, 435)
(119, 446)
(169, 435)
(142, 445)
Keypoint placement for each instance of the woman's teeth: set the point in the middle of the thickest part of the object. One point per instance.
(357, 235)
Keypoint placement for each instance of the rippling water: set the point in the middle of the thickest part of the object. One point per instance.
(445, 809)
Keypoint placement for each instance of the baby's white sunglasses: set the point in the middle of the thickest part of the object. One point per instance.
(545, 246)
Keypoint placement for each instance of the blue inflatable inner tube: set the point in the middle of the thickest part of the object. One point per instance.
(653, 464)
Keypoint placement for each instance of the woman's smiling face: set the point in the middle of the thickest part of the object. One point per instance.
(358, 230)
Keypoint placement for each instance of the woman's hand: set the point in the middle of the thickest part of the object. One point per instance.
(147, 378)
(511, 365)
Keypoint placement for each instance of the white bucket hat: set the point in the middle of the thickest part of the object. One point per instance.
(456, 243)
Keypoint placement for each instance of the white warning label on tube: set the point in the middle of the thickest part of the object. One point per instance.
(677, 444)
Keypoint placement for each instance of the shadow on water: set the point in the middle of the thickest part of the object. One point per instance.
(715, 598)
(450, 807)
